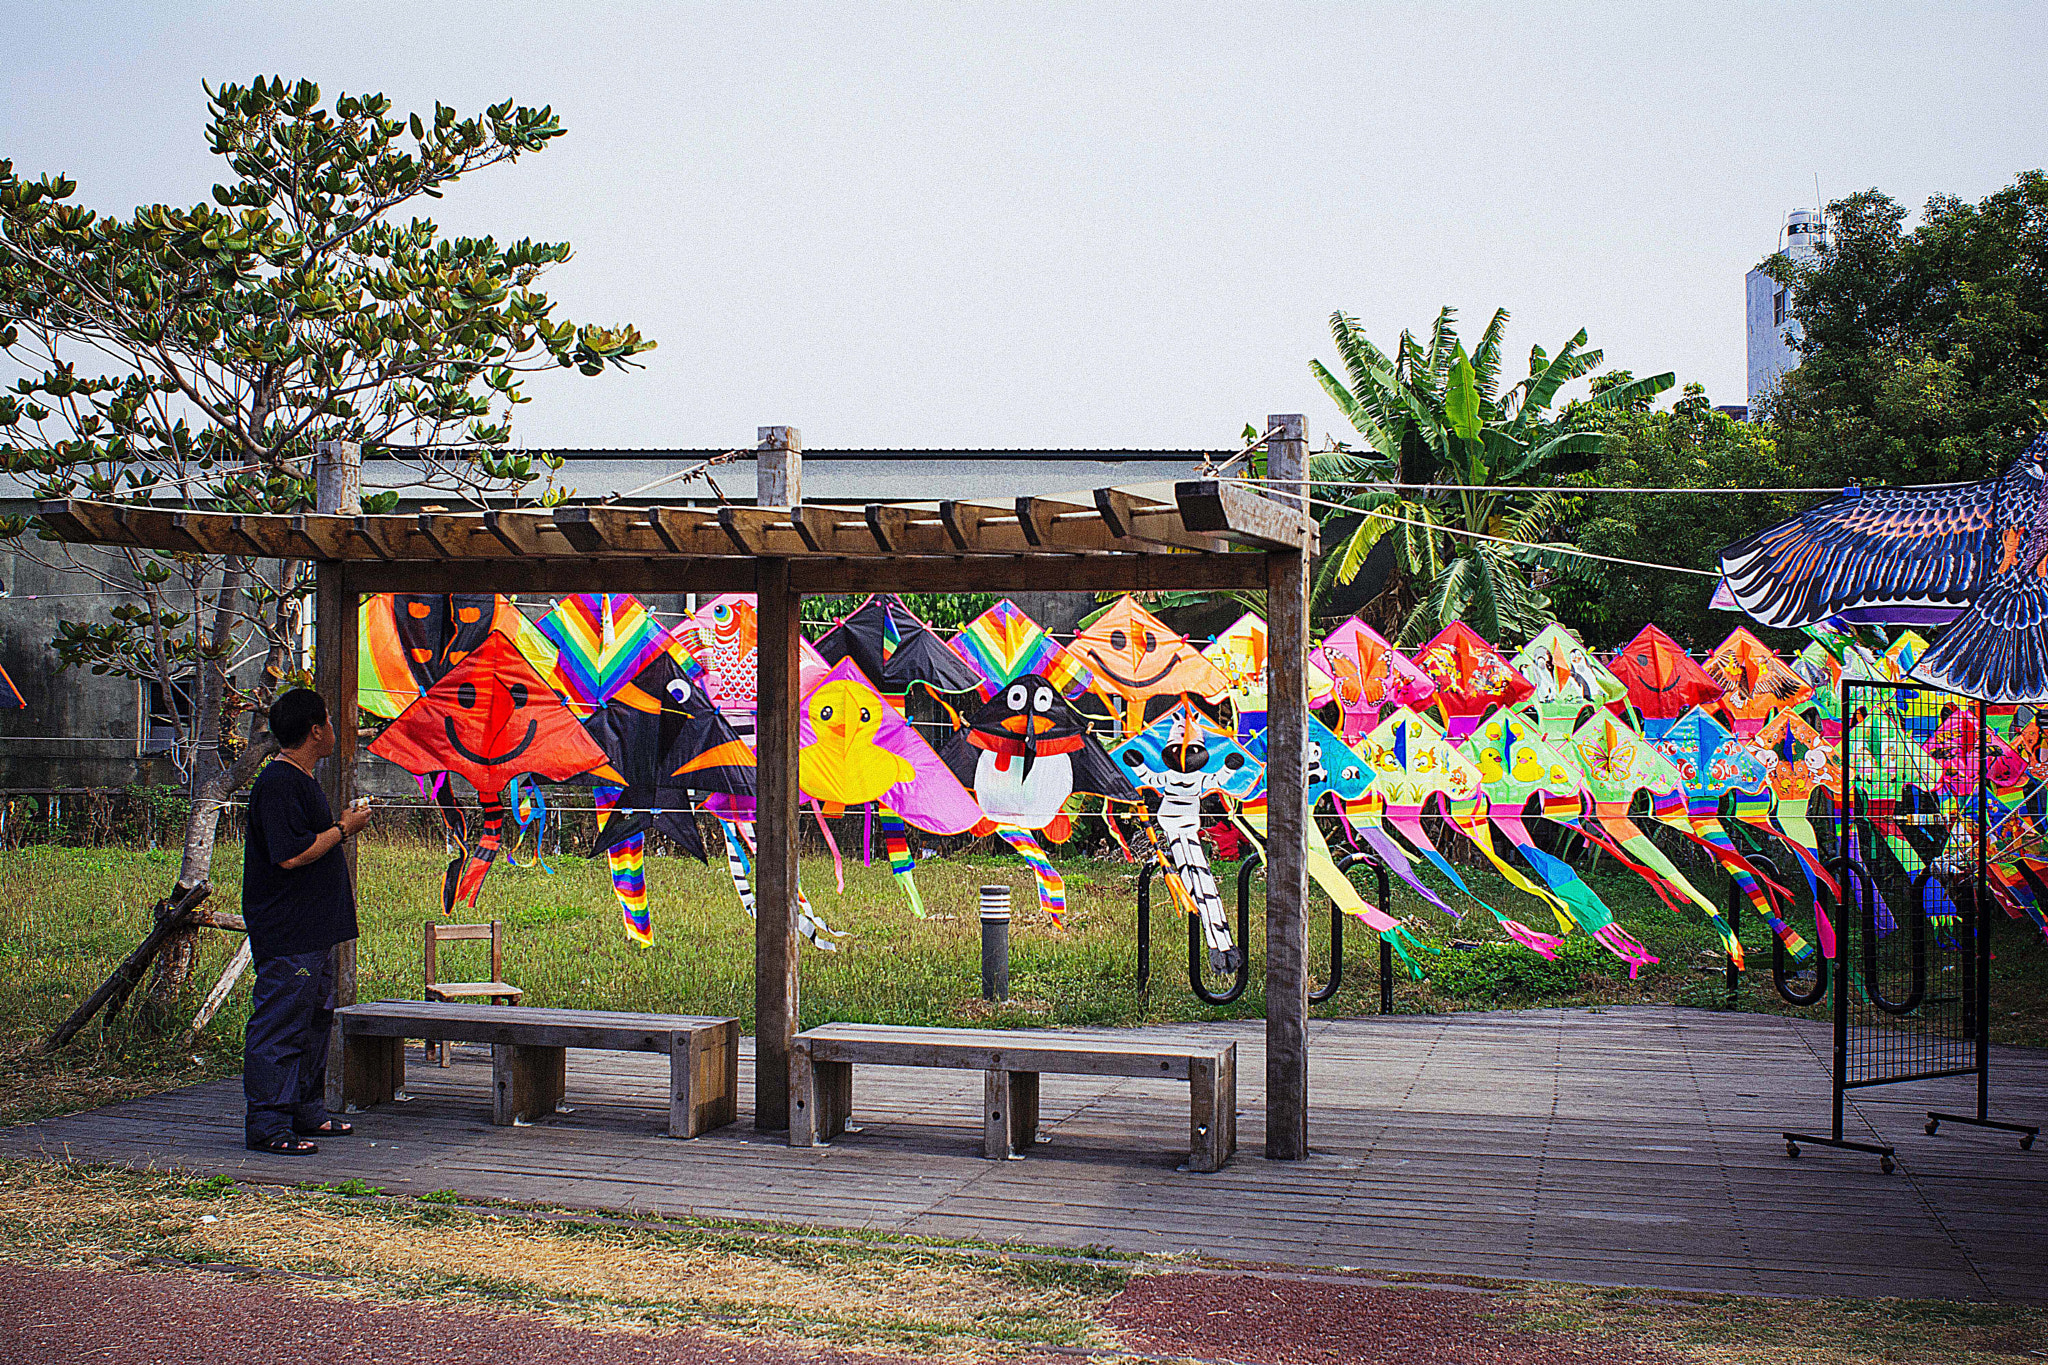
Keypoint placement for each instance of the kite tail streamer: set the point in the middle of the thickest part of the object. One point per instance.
(838, 863)
(1587, 909)
(1052, 888)
(1474, 827)
(896, 838)
(629, 883)
(479, 865)
(1397, 861)
(1708, 832)
(740, 863)
(1323, 868)
(1183, 830)
(1408, 820)
(529, 807)
(1624, 832)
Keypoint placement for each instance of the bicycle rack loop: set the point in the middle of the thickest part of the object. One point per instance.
(1782, 965)
(1243, 976)
(1916, 924)
(1195, 950)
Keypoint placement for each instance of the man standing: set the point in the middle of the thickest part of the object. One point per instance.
(298, 901)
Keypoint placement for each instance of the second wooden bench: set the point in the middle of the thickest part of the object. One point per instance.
(822, 1061)
(529, 1054)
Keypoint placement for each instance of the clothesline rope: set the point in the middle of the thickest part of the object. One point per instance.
(1520, 488)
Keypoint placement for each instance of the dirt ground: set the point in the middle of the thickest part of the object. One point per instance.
(178, 1317)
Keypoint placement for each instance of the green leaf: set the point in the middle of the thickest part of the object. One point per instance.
(1461, 398)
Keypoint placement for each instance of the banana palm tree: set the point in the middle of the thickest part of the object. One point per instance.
(1434, 415)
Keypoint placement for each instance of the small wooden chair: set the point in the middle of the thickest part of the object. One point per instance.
(497, 992)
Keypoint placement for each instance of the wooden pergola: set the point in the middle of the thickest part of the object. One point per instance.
(1198, 534)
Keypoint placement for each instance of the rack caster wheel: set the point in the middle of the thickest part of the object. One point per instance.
(1932, 1126)
(1792, 1149)
(1886, 1164)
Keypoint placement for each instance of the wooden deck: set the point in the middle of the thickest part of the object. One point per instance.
(1626, 1146)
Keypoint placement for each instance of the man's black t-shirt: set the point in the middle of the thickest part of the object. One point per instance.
(303, 909)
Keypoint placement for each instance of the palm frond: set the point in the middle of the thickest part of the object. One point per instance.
(1571, 443)
(1486, 358)
(1543, 384)
(1361, 416)
(1636, 390)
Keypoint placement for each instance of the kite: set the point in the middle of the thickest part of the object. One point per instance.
(1472, 678)
(1411, 763)
(723, 636)
(1368, 675)
(662, 733)
(890, 645)
(10, 695)
(1970, 553)
(1136, 656)
(488, 720)
(1755, 683)
(1004, 644)
(1567, 680)
(409, 641)
(1797, 763)
(1711, 763)
(1954, 746)
(1184, 758)
(1239, 654)
(853, 748)
(603, 640)
(1515, 761)
(1615, 762)
(1663, 684)
(1023, 754)
(1334, 769)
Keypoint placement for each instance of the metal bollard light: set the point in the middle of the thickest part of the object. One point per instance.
(995, 943)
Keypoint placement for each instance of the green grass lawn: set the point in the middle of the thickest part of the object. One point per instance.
(68, 915)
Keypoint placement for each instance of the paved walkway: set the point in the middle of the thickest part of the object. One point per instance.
(1622, 1146)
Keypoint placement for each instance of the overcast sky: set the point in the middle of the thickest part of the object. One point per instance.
(1087, 226)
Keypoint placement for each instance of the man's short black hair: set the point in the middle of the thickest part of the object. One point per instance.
(293, 716)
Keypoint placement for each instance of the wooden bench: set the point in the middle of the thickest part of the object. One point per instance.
(822, 1060)
(529, 1054)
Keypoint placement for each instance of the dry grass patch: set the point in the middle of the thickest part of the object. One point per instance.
(873, 1295)
(1715, 1329)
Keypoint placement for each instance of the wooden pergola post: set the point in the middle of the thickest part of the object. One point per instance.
(338, 474)
(1287, 644)
(780, 475)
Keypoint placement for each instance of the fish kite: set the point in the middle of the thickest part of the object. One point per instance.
(488, 720)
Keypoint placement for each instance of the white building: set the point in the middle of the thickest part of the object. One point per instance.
(1772, 331)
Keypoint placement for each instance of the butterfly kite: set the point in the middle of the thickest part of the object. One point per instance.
(1368, 675)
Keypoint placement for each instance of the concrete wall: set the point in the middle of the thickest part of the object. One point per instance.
(1770, 351)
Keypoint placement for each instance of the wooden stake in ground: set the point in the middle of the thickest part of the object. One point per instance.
(171, 918)
(222, 988)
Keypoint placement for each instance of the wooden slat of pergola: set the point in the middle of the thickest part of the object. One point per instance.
(1198, 534)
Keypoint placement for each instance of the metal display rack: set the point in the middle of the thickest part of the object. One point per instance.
(1911, 972)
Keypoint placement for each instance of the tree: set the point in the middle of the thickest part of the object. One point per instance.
(1434, 415)
(194, 358)
(1923, 353)
(1687, 446)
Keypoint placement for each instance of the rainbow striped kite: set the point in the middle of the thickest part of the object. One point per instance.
(1004, 644)
(603, 639)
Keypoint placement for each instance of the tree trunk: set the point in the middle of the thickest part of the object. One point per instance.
(208, 790)
(197, 866)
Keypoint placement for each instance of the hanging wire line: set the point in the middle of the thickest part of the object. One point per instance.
(1567, 489)
(1523, 544)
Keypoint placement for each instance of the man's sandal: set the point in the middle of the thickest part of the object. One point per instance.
(285, 1146)
(331, 1128)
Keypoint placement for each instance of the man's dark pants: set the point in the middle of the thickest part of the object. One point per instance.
(284, 1060)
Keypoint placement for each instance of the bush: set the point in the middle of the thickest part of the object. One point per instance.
(1508, 971)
